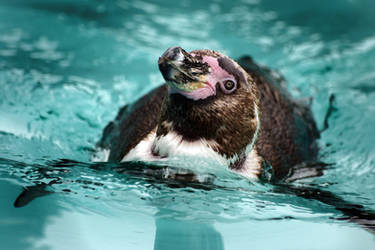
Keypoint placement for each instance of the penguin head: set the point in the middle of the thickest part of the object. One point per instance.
(201, 74)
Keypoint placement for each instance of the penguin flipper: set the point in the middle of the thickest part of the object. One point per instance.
(30, 193)
(307, 169)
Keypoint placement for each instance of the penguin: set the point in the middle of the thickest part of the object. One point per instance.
(238, 114)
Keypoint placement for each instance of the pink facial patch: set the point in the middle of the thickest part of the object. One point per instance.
(217, 74)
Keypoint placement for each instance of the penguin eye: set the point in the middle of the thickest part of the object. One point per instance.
(228, 86)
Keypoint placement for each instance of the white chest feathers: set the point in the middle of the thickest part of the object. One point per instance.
(170, 146)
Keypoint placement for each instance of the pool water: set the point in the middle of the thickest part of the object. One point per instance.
(66, 67)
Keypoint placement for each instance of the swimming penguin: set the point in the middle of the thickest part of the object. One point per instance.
(237, 114)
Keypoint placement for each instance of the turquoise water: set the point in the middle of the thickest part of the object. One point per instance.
(66, 67)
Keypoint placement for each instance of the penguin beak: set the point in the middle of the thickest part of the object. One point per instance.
(181, 70)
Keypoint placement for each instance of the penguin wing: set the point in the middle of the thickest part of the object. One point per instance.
(133, 123)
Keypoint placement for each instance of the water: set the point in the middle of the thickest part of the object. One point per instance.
(66, 67)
